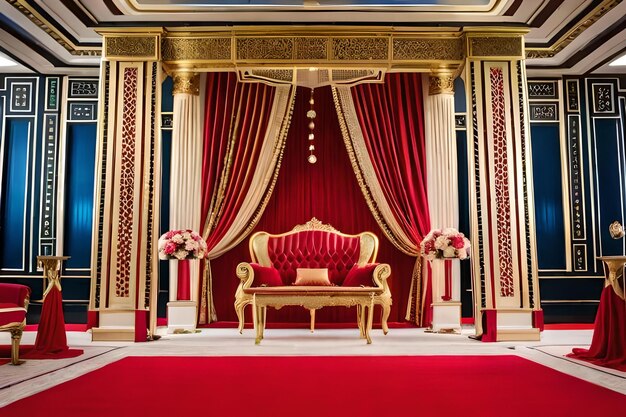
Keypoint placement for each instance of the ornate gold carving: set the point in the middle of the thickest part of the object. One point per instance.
(616, 230)
(314, 224)
(186, 83)
(280, 75)
(615, 271)
(409, 49)
(441, 84)
(509, 46)
(192, 49)
(360, 49)
(264, 48)
(310, 48)
(349, 76)
(51, 271)
(44, 25)
(584, 24)
(310, 298)
(131, 46)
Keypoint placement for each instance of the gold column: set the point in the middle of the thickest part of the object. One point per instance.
(441, 82)
(186, 83)
(126, 217)
(185, 190)
(506, 286)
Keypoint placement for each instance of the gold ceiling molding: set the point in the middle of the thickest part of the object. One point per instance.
(49, 28)
(582, 25)
(138, 7)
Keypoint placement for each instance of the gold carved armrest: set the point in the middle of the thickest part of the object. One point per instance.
(381, 273)
(246, 274)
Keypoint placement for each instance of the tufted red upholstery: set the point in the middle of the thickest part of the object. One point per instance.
(15, 294)
(314, 249)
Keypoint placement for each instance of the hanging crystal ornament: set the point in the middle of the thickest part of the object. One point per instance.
(311, 115)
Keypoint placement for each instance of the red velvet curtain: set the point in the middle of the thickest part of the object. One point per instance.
(237, 114)
(327, 190)
(391, 117)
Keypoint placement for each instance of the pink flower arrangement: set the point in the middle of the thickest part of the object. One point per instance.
(447, 243)
(182, 244)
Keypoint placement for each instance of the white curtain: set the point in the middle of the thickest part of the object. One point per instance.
(186, 176)
(441, 165)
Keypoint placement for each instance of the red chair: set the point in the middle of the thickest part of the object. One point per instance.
(13, 304)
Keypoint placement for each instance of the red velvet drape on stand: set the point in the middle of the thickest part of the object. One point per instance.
(391, 117)
(327, 190)
(51, 337)
(237, 114)
(608, 346)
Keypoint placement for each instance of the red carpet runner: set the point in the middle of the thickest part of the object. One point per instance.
(322, 386)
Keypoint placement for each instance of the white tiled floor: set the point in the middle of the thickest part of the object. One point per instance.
(35, 376)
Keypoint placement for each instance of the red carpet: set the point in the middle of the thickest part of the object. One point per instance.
(323, 386)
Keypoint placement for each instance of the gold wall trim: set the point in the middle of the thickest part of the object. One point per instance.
(132, 47)
(49, 28)
(582, 25)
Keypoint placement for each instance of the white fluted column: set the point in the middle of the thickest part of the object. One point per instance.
(186, 171)
(441, 164)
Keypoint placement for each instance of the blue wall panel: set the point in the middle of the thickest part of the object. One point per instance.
(164, 273)
(609, 163)
(464, 220)
(14, 191)
(79, 188)
(546, 153)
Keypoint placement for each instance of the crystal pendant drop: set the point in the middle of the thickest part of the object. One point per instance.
(311, 136)
(312, 159)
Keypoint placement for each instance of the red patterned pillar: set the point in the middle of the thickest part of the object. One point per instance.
(127, 197)
(506, 290)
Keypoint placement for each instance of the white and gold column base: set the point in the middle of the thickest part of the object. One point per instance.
(446, 317)
(115, 325)
(181, 316)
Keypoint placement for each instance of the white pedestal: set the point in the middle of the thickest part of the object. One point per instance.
(446, 317)
(181, 316)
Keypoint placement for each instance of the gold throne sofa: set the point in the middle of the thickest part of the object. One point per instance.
(281, 267)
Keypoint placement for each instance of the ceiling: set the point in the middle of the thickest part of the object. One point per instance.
(565, 37)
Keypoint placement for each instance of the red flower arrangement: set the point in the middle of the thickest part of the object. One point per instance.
(445, 244)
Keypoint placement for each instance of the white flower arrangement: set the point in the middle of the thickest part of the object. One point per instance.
(182, 244)
(445, 244)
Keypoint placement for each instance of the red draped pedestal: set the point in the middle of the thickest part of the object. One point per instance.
(608, 346)
(51, 336)
(184, 277)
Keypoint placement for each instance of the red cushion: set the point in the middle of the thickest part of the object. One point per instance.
(7, 317)
(360, 276)
(314, 249)
(14, 293)
(266, 275)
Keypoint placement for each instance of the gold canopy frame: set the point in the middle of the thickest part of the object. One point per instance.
(135, 59)
(276, 53)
